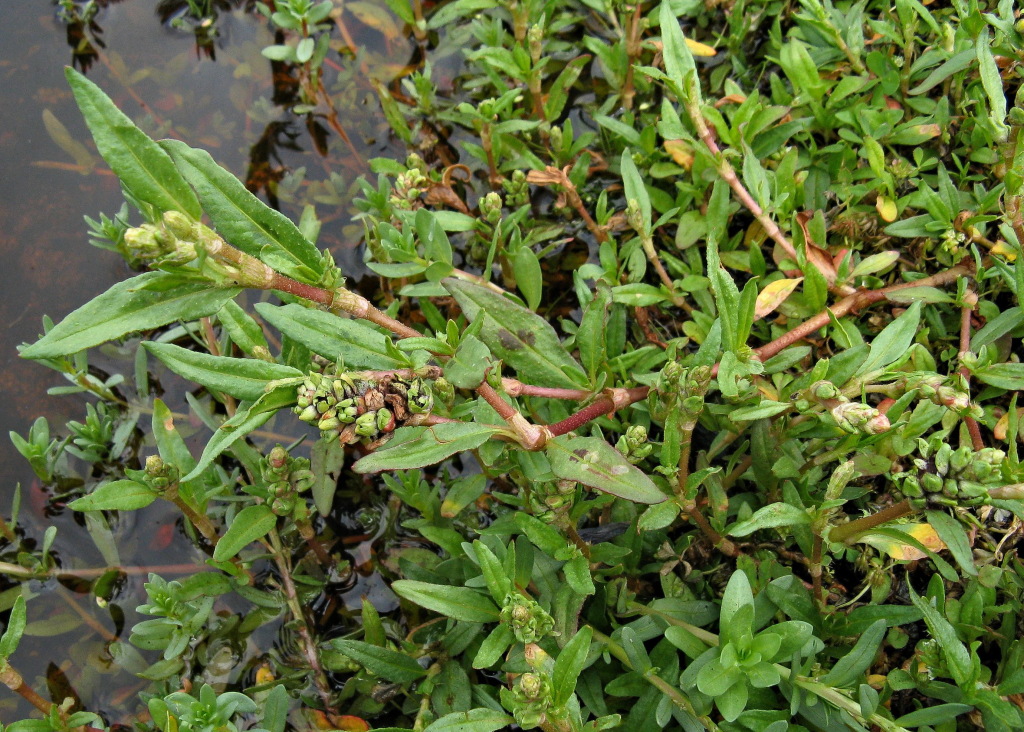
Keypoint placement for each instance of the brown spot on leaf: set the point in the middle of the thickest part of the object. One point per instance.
(508, 340)
(526, 337)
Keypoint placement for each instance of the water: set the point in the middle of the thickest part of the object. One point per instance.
(51, 178)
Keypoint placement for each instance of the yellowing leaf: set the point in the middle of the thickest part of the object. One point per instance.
(924, 533)
(773, 295)
(886, 208)
(699, 49)
(681, 152)
(1002, 427)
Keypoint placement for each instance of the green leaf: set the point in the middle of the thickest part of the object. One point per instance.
(246, 420)
(468, 366)
(952, 65)
(953, 536)
(458, 603)
(933, 715)
(242, 378)
(764, 408)
(851, 667)
(475, 720)
(359, 345)
(569, 665)
(144, 302)
(275, 709)
(679, 63)
(595, 463)
(417, 447)
(384, 662)
(591, 338)
(633, 182)
(493, 646)
(143, 167)
(658, 516)
(326, 458)
(958, 658)
(517, 336)
(15, 629)
(737, 595)
(117, 495)
(250, 524)
(727, 299)
(1002, 375)
(529, 278)
(242, 219)
(169, 442)
(772, 516)
(893, 341)
(997, 327)
(243, 330)
(498, 582)
(992, 82)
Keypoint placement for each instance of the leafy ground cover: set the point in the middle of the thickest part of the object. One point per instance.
(689, 375)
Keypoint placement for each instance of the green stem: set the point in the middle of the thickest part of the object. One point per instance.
(669, 690)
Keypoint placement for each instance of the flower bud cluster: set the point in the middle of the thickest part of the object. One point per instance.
(525, 618)
(490, 208)
(171, 241)
(550, 500)
(946, 477)
(517, 190)
(408, 188)
(680, 388)
(531, 699)
(849, 416)
(355, 408)
(939, 390)
(634, 444)
(286, 477)
(160, 476)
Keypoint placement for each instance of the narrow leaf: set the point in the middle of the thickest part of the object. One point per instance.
(144, 302)
(384, 662)
(458, 603)
(569, 665)
(244, 422)
(357, 344)
(852, 666)
(242, 219)
(774, 294)
(143, 167)
(15, 629)
(893, 341)
(118, 495)
(593, 462)
(243, 378)
(475, 720)
(250, 524)
(774, 515)
(417, 447)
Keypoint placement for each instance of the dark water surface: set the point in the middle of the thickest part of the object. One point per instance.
(49, 180)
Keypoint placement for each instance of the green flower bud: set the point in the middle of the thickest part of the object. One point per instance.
(179, 225)
(527, 620)
(931, 482)
(855, 416)
(419, 397)
(532, 686)
(143, 242)
(366, 424)
(823, 390)
(309, 414)
(385, 420)
(911, 487)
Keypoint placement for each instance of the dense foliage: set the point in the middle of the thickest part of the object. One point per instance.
(690, 378)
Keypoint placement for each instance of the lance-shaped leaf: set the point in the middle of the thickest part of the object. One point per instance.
(250, 524)
(390, 665)
(595, 463)
(358, 344)
(141, 164)
(241, 218)
(245, 421)
(417, 447)
(517, 336)
(147, 301)
(118, 495)
(475, 720)
(243, 378)
(458, 603)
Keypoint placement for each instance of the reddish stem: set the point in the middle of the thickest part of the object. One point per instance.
(602, 406)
